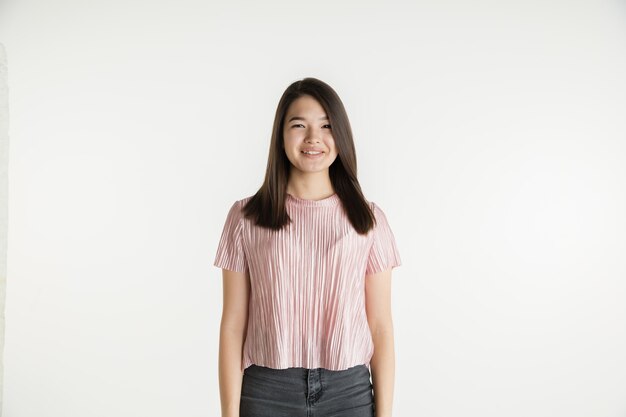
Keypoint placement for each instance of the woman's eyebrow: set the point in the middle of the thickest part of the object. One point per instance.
(302, 118)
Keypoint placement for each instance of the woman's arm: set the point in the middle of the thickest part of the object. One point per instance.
(382, 364)
(233, 327)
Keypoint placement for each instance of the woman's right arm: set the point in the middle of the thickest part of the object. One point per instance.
(236, 291)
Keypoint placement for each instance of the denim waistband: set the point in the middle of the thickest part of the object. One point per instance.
(303, 373)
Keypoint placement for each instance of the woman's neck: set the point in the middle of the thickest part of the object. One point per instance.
(310, 187)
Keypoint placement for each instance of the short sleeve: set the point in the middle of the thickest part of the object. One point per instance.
(230, 254)
(383, 253)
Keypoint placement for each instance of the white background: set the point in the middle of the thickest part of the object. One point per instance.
(492, 134)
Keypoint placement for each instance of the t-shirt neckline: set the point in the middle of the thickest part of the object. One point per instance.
(328, 201)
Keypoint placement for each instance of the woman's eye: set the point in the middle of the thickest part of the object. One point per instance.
(299, 124)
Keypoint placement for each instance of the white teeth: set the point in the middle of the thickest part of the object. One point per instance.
(311, 152)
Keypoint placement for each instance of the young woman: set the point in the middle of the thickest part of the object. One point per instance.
(307, 264)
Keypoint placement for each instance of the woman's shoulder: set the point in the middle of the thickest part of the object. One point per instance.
(237, 206)
(371, 204)
(244, 200)
(235, 212)
(377, 210)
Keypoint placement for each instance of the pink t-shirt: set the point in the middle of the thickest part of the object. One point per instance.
(307, 297)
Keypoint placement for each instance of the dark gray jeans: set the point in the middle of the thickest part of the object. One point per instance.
(302, 392)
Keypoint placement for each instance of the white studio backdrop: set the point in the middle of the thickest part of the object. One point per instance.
(4, 179)
(493, 134)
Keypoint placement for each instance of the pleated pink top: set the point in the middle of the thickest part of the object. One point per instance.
(307, 298)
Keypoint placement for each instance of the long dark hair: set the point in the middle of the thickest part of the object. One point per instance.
(267, 207)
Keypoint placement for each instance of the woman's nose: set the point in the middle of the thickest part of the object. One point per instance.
(313, 136)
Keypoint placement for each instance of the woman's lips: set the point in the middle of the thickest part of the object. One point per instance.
(315, 156)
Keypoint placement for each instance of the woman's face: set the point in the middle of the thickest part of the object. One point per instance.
(307, 128)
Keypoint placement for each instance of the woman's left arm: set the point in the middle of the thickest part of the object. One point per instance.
(382, 364)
